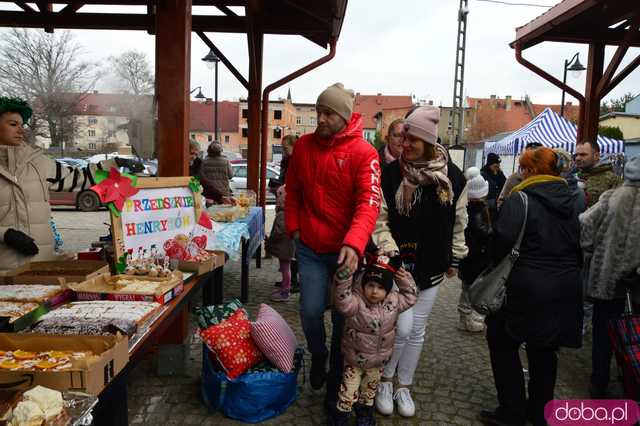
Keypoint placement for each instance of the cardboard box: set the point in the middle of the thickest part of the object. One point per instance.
(102, 288)
(32, 317)
(51, 272)
(199, 268)
(90, 375)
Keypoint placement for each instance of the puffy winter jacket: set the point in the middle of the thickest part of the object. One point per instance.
(369, 329)
(217, 171)
(333, 190)
(26, 174)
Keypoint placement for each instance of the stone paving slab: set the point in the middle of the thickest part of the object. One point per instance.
(453, 381)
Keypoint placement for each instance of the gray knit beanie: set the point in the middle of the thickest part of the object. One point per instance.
(338, 99)
(632, 169)
(423, 123)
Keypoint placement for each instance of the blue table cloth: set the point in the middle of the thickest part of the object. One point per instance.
(229, 235)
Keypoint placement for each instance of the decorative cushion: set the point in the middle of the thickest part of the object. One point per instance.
(274, 338)
(232, 345)
(212, 315)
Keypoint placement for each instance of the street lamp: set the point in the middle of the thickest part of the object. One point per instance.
(576, 68)
(199, 96)
(212, 62)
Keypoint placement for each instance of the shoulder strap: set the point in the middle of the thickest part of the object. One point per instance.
(525, 201)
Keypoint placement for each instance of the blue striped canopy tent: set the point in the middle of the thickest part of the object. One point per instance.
(551, 130)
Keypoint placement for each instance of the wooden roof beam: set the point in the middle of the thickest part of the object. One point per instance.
(223, 59)
(72, 8)
(140, 2)
(631, 33)
(24, 6)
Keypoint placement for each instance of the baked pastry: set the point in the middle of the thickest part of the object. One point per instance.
(15, 310)
(28, 292)
(27, 413)
(49, 400)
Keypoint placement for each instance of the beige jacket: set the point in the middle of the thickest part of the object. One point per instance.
(26, 174)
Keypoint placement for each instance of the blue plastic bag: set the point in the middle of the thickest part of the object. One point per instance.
(252, 397)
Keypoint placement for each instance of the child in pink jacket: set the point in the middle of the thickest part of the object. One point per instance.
(371, 308)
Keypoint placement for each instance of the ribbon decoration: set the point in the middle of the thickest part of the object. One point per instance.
(195, 185)
(114, 188)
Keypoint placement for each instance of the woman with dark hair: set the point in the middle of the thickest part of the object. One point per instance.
(543, 306)
(425, 220)
(216, 169)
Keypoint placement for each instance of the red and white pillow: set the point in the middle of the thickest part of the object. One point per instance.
(274, 338)
(232, 344)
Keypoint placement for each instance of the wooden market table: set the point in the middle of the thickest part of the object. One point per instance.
(170, 327)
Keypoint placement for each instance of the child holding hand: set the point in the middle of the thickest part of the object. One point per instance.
(371, 307)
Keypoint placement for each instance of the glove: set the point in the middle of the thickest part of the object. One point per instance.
(20, 242)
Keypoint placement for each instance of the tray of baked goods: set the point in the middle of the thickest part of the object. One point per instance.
(130, 288)
(23, 304)
(79, 363)
(55, 272)
(46, 407)
(97, 318)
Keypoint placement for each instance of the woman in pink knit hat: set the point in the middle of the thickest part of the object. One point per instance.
(423, 218)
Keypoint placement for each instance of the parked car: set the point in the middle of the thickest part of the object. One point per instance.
(232, 155)
(239, 180)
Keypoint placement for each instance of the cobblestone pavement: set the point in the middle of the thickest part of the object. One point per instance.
(452, 384)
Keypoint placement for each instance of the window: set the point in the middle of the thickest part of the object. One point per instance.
(277, 133)
(277, 114)
(312, 121)
(245, 132)
(240, 172)
(245, 113)
(92, 120)
(92, 146)
(298, 120)
(111, 133)
(226, 139)
(91, 133)
(209, 138)
(112, 108)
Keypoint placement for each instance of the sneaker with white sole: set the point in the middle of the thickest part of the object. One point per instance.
(406, 407)
(384, 398)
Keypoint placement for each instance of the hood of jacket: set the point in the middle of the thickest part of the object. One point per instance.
(354, 128)
(554, 195)
(602, 167)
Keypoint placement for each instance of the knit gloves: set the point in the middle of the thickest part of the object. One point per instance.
(20, 242)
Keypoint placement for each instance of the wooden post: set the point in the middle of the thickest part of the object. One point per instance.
(173, 71)
(588, 124)
(253, 119)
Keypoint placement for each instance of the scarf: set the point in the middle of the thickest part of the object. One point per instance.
(417, 174)
(387, 155)
(534, 180)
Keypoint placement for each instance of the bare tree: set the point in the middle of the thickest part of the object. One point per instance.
(133, 72)
(46, 69)
(133, 75)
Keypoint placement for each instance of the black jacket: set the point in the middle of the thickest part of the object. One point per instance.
(425, 237)
(476, 236)
(383, 159)
(496, 183)
(544, 295)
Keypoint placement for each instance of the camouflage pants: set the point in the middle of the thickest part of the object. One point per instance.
(358, 385)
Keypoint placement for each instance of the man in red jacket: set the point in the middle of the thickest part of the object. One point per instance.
(333, 200)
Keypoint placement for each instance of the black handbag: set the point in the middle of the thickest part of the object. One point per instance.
(487, 293)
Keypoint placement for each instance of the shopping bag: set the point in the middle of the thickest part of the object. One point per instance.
(625, 338)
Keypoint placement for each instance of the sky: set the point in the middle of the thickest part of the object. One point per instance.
(404, 47)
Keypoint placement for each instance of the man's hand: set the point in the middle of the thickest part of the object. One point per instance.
(348, 260)
(402, 275)
(452, 272)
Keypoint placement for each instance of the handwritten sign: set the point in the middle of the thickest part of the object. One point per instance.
(163, 209)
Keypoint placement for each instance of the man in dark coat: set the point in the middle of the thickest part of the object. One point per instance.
(493, 174)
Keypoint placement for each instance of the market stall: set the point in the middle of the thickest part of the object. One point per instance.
(74, 329)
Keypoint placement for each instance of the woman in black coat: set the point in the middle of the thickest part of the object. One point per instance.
(543, 305)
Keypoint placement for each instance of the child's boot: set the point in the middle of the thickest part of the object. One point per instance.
(338, 418)
(365, 415)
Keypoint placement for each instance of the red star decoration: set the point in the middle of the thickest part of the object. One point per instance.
(115, 188)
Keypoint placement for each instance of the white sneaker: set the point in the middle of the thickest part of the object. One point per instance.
(406, 407)
(384, 398)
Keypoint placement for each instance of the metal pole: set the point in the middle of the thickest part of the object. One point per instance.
(564, 81)
(215, 107)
